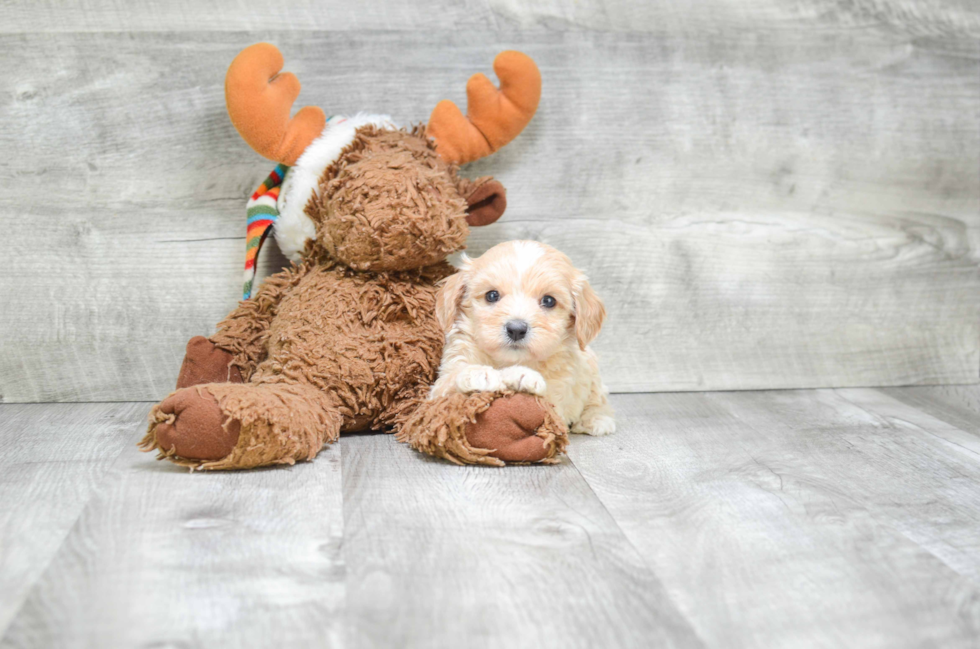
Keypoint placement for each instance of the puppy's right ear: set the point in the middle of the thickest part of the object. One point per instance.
(449, 299)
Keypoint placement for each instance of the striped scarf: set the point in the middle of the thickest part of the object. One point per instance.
(262, 215)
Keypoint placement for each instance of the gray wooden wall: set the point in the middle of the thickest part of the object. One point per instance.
(767, 193)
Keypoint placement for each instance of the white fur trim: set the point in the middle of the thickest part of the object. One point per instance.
(294, 227)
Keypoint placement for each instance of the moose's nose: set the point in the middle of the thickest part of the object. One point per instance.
(516, 330)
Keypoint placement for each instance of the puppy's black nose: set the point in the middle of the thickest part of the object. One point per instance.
(516, 330)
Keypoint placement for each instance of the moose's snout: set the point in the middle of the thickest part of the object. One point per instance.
(516, 330)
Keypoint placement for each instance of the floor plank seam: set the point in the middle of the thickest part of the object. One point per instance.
(616, 524)
(629, 541)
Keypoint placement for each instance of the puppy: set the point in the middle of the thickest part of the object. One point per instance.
(521, 318)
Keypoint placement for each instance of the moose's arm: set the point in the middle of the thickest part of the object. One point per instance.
(245, 331)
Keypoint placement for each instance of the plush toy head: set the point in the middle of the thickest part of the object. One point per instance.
(372, 196)
(391, 203)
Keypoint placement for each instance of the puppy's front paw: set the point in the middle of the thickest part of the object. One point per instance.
(598, 426)
(523, 379)
(479, 378)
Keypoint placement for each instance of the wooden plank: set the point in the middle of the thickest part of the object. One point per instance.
(445, 556)
(913, 472)
(52, 456)
(785, 208)
(117, 327)
(161, 557)
(240, 15)
(795, 518)
(958, 405)
(933, 17)
(921, 17)
(899, 412)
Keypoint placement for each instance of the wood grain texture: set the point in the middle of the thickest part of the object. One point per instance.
(961, 431)
(751, 519)
(776, 208)
(48, 16)
(161, 557)
(443, 556)
(52, 457)
(915, 473)
(922, 17)
(805, 520)
(958, 405)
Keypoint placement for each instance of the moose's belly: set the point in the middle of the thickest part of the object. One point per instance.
(367, 337)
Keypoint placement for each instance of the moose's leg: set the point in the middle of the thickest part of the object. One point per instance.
(241, 426)
(487, 428)
(205, 362)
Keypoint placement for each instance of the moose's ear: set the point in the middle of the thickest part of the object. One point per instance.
(486, 200)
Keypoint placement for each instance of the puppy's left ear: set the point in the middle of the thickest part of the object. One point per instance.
(589, 312)
(486, 200)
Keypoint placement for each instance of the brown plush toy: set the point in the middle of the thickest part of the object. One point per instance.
(347, 338)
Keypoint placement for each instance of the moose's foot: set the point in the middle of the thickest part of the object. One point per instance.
(242, 425)
(204, 362)
(487, 428)
(190, 424)
(509, 430)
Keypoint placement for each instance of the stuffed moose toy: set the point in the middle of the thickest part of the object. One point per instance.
(347, 338)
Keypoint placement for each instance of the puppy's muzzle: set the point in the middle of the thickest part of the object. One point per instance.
(516, 330)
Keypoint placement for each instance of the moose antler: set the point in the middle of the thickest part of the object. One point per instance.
(259, 100)
(495, 117)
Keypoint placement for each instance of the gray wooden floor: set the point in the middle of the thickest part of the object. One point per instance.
(742, 519)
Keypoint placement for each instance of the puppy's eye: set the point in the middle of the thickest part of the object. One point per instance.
(492, 296)
(548, 302)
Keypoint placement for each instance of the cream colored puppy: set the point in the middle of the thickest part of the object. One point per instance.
(521, 317)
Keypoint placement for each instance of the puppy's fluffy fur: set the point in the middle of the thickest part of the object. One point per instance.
(528, 285)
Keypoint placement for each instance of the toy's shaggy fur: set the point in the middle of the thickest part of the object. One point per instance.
(349, 340)
(449, 428)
